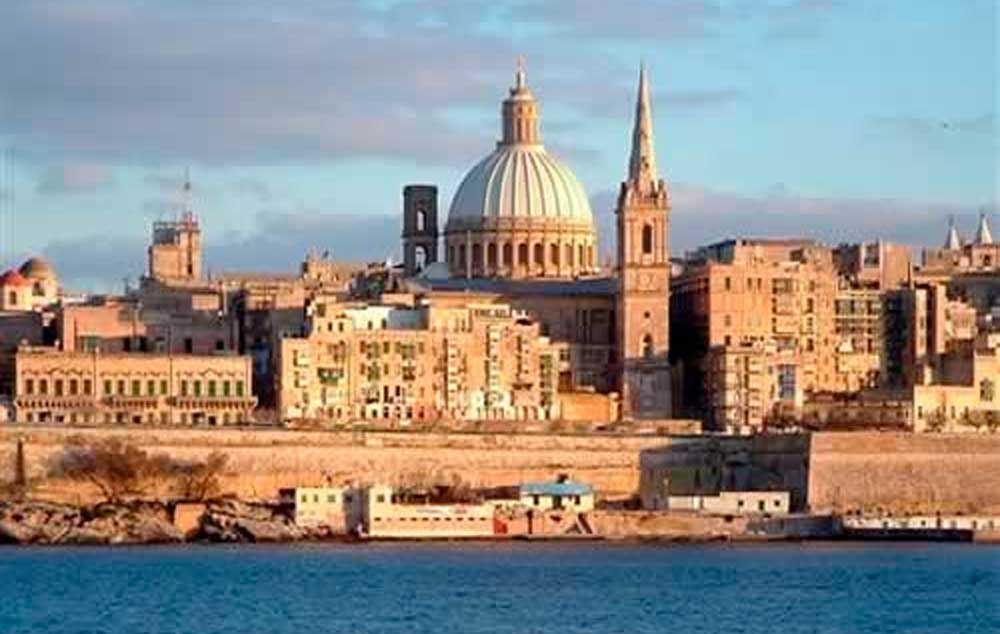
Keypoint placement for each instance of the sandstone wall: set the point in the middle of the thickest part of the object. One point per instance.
(904, 473)
(264, 461)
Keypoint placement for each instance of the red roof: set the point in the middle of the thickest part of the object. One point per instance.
(13, 278)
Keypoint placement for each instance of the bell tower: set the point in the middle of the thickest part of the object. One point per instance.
(643, 302)
(420, 227)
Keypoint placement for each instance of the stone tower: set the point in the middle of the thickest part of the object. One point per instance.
(175, 254)
(643, 302)
(420, 227)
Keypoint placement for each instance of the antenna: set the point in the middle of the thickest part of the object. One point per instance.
(187, 213)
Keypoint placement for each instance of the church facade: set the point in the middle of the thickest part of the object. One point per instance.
(520, 232)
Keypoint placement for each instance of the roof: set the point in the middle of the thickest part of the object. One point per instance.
(37, 269)
(13, 278)
(556, 488)
(562, 288)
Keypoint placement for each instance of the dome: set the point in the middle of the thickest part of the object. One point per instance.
(38, 269)
(519, 212)
(519, 181)
(13, 278)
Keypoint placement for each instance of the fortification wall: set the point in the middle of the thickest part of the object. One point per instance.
(904, 473)
(846, 471)
(263, 461)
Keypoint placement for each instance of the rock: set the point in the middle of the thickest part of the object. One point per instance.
(235, 521)
(125, 523)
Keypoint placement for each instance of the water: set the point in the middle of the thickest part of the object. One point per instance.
(512, 587)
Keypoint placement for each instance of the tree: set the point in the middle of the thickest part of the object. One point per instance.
(201, 480)
(114, 467)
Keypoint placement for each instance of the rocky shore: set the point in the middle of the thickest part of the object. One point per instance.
(139, 522)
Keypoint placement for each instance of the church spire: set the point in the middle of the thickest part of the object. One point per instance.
(642, 164)
(983, 233)
(952, 242)
(520, 112)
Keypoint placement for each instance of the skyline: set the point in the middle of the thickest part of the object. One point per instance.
(112, 103)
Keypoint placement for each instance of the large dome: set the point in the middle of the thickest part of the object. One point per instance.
(519, 180)
(519, 212)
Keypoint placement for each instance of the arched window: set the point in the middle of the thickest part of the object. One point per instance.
(461, 256)
(539, 255)
(581, 260)
(37, 290)
(420, 257)
(491, 255)
(987, 391)
(477, 256)
(647, 239)
(569, 255)
(12, 298)
(507, 255)
(421, 220)
(522, 254)
(554, 254)
(647, 347)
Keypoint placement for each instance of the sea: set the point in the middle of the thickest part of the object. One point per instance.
(515, 587)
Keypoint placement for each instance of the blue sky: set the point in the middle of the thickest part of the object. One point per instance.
(837, 119)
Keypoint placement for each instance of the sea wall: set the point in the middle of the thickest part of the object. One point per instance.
(897, 472)
(904, 473)
(262, 461)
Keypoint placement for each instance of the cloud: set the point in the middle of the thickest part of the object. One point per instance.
(924, 127)
(74, 179)
(151, 82)
(703, 215)
(278, 242)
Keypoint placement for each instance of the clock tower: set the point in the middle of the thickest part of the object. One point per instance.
(643, 301)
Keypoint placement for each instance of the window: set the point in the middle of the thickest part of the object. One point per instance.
(728, 284)
(188, 345)
(151, 387)
(522, 254)
(58, 387)
(987, 391)
(239, 388)
(331, 498)
(380, 498)
(121, 387)
(88, 387)
(647, 346)
(197, 388)
(225, 388)
(211, 387)
(647, 239)
(184, 388)
(29, 386)
(163, 387)
(108, 390)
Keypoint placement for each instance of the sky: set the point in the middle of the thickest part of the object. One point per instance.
(842, 120)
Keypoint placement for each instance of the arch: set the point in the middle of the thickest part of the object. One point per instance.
(647, 346)
(581, 260)
(461, 256)
(491, 255)
(451, 254)
(38, 290)
(421, 220)
(12, 298)
(477, 256)
(539, 255)
(568, 255)
(554, 254)
(420, 257)
(508, 255)
(647, 239)
(522, 254)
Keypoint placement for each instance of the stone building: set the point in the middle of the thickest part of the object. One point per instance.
(33, 286)
(423, 361)
(957, 256)
(773, 296)
(55, 386)
(520, 232)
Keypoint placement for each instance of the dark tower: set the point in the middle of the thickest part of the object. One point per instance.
(420, 227)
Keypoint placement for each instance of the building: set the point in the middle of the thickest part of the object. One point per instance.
(55, 386)
(732, 503)
(520, 232)
(770, 299)
(957, 256)
(519, 212)
(341, 509)
(422, 361)
(33, 286)
(386, 516)
(965, 397)
(175, 252)
(561, 495)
